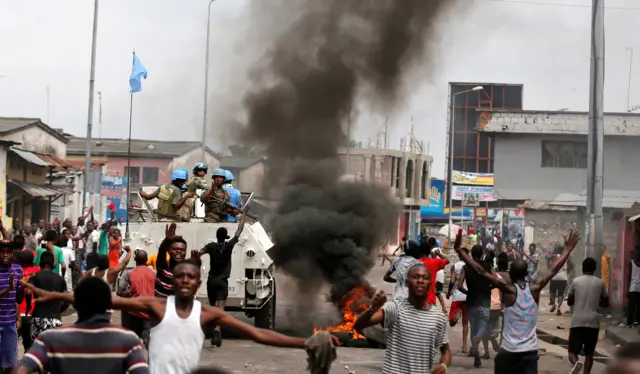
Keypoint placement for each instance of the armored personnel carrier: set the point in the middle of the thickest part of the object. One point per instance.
(252, 288)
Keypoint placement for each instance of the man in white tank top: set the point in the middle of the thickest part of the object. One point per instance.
(176, 341)
(519, 349)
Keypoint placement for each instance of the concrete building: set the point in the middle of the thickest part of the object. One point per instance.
(37, 150)
(152, 161)
(541, 160)
(473, 151)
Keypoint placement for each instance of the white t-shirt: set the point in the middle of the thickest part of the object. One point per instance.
(79, 232)
(94, 237)
(456, 295)
(68, 255)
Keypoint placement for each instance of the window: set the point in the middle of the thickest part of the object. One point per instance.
(149, 175)
(564, 154)
(471, 145)
(135, 174)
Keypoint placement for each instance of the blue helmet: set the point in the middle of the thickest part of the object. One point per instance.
(200, 166)
(180, 173)
(219, 173)
(229, 176)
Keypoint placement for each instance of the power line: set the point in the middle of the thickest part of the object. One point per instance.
(530, 2)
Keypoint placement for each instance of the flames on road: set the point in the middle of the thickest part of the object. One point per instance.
(351, 305)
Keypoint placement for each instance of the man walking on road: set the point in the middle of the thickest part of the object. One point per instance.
(586, 295)
(478, 300)
(220, 270)
(458, 306)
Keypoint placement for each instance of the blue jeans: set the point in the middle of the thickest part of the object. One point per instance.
(479, 321)
(8, 346)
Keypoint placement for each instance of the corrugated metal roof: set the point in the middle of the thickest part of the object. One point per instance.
(54, 160)
(41, 159)
(29, 157)
(619, 199)
(39, 191)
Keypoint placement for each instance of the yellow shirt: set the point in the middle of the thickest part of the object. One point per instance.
(151, 261)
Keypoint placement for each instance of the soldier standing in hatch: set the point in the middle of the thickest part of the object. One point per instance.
(170, 198)
(215, 197)
(196, 182)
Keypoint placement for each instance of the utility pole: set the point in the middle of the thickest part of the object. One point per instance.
(92, 78)
(205, 110)
(596, 135)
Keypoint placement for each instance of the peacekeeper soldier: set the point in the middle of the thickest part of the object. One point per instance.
(215, 197)
(197, 182)
(170, 197)
(235, 198)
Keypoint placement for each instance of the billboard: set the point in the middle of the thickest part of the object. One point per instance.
(475, 193)
(436, 199)
(478, 179)
(114, 188)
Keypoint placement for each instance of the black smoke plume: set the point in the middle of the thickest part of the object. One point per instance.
(327, 229)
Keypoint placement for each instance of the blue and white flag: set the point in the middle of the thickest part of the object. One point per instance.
(137, 73)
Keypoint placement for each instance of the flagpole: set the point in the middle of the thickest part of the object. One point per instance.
(127, 236)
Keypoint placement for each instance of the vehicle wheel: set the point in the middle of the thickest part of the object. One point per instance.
(266, 316)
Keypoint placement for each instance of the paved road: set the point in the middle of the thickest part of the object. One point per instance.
(243, 356)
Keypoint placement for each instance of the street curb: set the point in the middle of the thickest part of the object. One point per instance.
(618, 338)
(562, 342)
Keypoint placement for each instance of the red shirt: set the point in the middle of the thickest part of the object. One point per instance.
(433, 264)
(28, 272)
(142, 281)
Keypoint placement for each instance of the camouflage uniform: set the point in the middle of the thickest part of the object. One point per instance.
(196, 183)
(216, 211)
(167, 194)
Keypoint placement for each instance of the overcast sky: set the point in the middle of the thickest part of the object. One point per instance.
(48, 43)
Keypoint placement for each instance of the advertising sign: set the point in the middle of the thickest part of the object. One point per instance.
(470, 199)
(475, 193)
(436, 199)
(466, 178)
(114, 188)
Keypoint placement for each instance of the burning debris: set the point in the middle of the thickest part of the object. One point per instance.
(327, 230)
(352, 305)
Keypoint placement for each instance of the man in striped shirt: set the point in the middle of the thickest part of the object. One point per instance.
(417, 329)
(10, 297)
(176, 247)
(91, 345)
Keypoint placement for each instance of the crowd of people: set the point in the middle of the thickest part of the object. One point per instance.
(496, 295)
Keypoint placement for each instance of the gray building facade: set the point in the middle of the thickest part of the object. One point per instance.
(542, 156)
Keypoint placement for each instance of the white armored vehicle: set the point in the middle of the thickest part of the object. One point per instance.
(252, 288)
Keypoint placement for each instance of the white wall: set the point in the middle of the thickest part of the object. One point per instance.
(37, 140)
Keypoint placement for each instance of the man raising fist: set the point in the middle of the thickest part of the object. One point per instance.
(416, 328)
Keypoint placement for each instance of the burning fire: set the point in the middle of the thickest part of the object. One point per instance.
(352, 306)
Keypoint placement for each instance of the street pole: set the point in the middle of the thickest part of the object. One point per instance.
(451, 132)
(92, 76)
(206, 87)
(596, 135)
